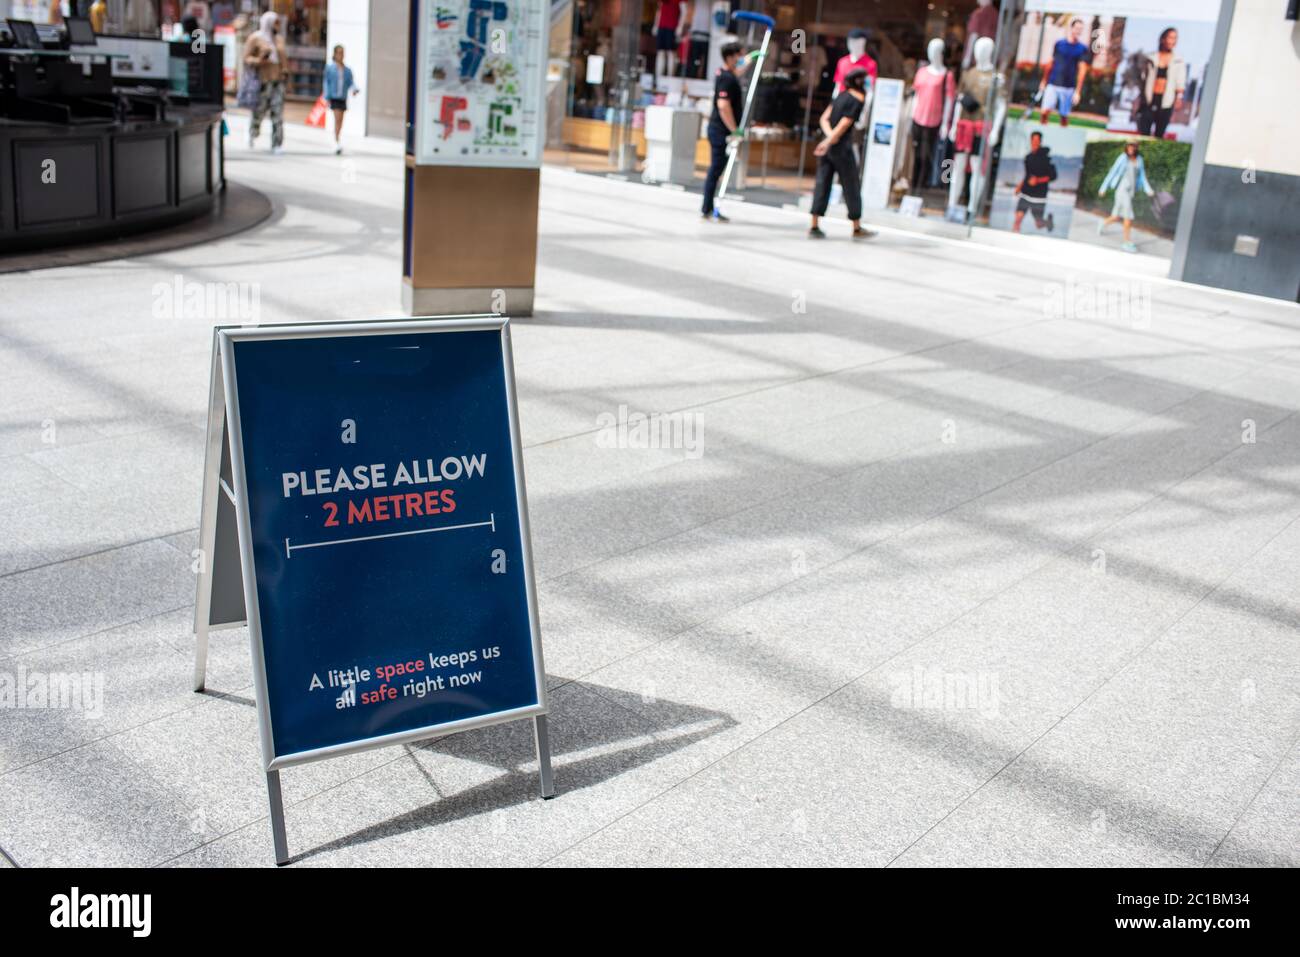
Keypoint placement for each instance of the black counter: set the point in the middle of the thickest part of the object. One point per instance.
(91, 181)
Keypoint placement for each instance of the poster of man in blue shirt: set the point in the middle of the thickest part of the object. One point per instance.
(1062, 84)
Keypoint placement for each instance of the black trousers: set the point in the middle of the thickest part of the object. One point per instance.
(838, 161)
(923, 140)
(717, 163)
(1153, 121)
(697, 57)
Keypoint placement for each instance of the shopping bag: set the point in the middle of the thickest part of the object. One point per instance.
(1165, 206)
(319, 109)
(250, 87)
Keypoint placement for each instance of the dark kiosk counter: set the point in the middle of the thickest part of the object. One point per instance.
(102, 136)
(93, 181)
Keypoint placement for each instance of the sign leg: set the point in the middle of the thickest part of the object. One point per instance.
(543, 737)
(277, 818)
(200, 657)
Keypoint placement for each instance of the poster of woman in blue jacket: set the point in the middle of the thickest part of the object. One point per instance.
(1127, 175)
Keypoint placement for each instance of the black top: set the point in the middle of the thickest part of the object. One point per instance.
(846, 104)
(1038, 164)
(726, 87)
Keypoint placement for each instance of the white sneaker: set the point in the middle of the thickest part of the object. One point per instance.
(277, 150)
(1101, 227)
(338, 148)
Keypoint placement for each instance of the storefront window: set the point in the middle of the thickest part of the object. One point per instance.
(666, 53)
(592, 58)
(1011, 116)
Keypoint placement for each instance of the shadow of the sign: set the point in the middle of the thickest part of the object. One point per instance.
(597, 733)
(228, 696)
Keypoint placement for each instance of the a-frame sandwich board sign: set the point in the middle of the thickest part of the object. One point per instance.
(364, 512)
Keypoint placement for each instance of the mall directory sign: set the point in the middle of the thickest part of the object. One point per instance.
(479, 82)
(383, 531)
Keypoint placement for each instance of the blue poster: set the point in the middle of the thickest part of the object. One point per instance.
(391, 569)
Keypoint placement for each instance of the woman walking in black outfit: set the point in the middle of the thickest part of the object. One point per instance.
(835, 156)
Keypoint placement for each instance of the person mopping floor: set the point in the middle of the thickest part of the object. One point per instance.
(724, 124)
(731, 108)
(835, 156)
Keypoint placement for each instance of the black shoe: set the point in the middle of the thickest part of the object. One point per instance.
(816, 233)
(1051, 221)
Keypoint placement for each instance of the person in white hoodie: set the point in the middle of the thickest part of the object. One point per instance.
(264, 52)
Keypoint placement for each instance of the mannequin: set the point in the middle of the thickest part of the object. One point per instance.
(933, 93)
(970, 126)
(696, 19)
(857, 59)
(668, 35)
(719, 33)
(982, 22)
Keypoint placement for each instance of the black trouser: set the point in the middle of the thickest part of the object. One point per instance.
(858, 139)
(923, 138)
(697, 57)
(1153, 121)
(717, 163)
(838, 161)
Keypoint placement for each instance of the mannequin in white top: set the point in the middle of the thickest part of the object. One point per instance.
(925, 136)
(978, 83)
(696, 17)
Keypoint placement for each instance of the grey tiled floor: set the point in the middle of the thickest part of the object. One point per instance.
(1097, 568)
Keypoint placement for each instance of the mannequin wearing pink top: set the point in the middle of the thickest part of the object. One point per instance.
(933, 93)
(856, 59)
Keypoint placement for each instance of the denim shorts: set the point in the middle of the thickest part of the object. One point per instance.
(1059, 98)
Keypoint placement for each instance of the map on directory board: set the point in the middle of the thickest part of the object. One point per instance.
(482, 64)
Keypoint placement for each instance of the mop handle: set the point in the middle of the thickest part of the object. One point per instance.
(770, 24)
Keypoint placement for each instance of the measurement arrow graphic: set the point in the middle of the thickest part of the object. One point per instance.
(290, 549)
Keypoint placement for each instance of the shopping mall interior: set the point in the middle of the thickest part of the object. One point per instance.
(966, 100)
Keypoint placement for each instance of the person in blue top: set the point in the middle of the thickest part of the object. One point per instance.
(1062, 85)
(1127, 175)
(338, 85)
